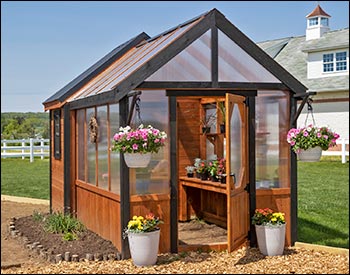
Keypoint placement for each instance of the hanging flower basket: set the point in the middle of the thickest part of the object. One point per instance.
(310, 155)
(138, 144)
(308, 142)
(137, 160)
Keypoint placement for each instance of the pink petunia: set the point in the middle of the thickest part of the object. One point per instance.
(135, 146)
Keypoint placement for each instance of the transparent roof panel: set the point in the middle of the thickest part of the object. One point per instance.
(237, 65)
(128, 63)
(192, 64)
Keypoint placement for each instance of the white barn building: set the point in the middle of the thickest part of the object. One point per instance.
(320, 60)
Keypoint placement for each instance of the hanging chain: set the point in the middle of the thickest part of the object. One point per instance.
(138, 111)
(309, 111)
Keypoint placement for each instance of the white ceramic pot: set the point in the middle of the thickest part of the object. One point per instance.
(310, 155)
(144, 247)
(271, 239)
(137, 160)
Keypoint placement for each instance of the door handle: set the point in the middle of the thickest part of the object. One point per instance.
(234, 177)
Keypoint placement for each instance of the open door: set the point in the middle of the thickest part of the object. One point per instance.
(237, 171)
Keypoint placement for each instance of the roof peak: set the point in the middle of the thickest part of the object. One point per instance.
(317, 12)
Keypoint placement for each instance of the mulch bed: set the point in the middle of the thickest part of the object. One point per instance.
(88, 245)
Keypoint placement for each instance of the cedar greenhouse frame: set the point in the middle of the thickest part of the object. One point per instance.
(179, 76)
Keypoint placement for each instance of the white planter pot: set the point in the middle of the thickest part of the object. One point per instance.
(137, 160)
(144, 247)
(310, 155)
(271, 239)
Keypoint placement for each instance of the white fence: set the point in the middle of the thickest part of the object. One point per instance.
(343, 153)
(25, 148)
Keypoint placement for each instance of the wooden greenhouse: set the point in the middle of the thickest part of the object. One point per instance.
(177, 79)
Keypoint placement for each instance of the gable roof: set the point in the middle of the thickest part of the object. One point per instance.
(293, 57)
(126, 67)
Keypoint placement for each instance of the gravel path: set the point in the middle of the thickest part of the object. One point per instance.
(242, 261)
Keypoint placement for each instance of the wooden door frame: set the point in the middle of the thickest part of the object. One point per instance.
(250, 101)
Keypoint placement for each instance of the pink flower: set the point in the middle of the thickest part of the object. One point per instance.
(305, 134)
(135, 146)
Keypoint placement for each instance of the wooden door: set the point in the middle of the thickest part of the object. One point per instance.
(237, 171)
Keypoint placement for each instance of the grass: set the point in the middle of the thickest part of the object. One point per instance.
(323, 202)
(22, 178)
(323, 195)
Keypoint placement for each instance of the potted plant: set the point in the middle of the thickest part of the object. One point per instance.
(308, 142)
(222, 170)
(207, 121)
(222, 109)
(202, 170)
(138, 144)
(143, 235)
(270, 230)
(190, 171)
(213, 170)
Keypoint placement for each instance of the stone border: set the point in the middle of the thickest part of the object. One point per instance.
(317, 247)
(47, 254)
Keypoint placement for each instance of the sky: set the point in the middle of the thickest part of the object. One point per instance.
(46, 44)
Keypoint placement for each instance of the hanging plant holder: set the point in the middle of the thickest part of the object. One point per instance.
(137, 160)
(310, 155)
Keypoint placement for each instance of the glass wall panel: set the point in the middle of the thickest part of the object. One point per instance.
(114, 156)
(81, 144)
(102, 147)
(91, 151)
(237, 65)
(192, 64)
(155, 178)
(272, 149)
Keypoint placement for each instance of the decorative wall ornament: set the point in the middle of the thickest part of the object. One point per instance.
(93, 129)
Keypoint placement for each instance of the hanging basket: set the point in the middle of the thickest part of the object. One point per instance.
(310, 155)
(137, 160)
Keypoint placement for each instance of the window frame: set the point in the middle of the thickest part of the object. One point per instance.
(334, 62)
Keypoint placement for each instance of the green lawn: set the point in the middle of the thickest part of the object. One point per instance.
(323, 203)
(323, 195)
(22, 178)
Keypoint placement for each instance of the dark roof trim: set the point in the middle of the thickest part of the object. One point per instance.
(258, 54)
(95, 69)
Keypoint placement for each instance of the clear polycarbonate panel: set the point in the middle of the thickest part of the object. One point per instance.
(114, 156)
(192, 64)
(129, 63)
(155, 178)
(236, 144)
(102, 147)
(81, 144)
(272, 149)
(237, 65)
(91, 150)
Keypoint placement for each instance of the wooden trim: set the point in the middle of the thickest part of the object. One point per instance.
(211, 85)
(66, 159)
(98, 191)
(149, 197)
(174, 192)
(258, 54)
(273, 191)
(203, 247)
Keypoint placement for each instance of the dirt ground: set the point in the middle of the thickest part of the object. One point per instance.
(12, 253)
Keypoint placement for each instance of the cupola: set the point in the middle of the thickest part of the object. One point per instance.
(317, 23)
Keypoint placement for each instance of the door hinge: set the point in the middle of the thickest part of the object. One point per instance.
(247, 187)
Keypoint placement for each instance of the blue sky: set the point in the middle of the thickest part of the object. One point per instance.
(46, 44)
